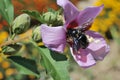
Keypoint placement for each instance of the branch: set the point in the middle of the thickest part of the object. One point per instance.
(14, 41)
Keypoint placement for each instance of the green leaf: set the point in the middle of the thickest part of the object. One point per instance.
(58, 56)
(34, 14)
(6, 10)
(115, 33)
(25, 66)
(57, 69)
(11, 49)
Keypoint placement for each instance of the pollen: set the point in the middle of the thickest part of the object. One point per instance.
(70, 39)
(96, 41)
(78, 52)
(90, 39)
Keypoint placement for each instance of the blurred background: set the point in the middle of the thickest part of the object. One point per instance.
(107, 23)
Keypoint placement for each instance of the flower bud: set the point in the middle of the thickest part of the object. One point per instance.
(52, 18)
(11, 49)
(36, 36)
(49, 17)
(21, 24)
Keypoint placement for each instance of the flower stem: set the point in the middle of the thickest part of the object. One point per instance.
(13, 36)
(14, 41)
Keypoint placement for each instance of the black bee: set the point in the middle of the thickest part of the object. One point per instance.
(77, 38)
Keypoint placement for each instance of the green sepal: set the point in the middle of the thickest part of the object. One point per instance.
(36, 35)
(11, 49)
(52, 18)
(21, 24)
(35, 14)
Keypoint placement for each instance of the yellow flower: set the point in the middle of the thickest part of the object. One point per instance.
(10, 71)
(109, 16)
(1, 76)
(3, 36)
(31, 77)
(1, 59)
(40, 44)
(5, 64)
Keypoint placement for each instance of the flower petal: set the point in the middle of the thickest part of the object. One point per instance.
(70, 11)
(88, 15)
(98, 46)
(54, 37)
(83, 57)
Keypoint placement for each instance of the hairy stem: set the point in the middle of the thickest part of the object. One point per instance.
(14, 41)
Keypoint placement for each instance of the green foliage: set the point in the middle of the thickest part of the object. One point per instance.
(21, 24)
(58, 56)
(53, 62)
(25, 66)
(57, 69)
(115, 33)
(52, 18)
(11, 49)
(6, 10)
(34, 14)
(36, 35)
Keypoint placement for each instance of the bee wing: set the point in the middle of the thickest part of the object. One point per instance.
(76, 45)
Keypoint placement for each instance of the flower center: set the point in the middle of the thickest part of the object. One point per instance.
(77, 39)
(72, 24)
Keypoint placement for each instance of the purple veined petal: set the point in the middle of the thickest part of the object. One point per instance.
(83, 58)
(70, 11)
(88, 15)
(98, 47)
(54, 37)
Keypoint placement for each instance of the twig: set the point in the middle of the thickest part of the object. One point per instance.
(13, 41)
